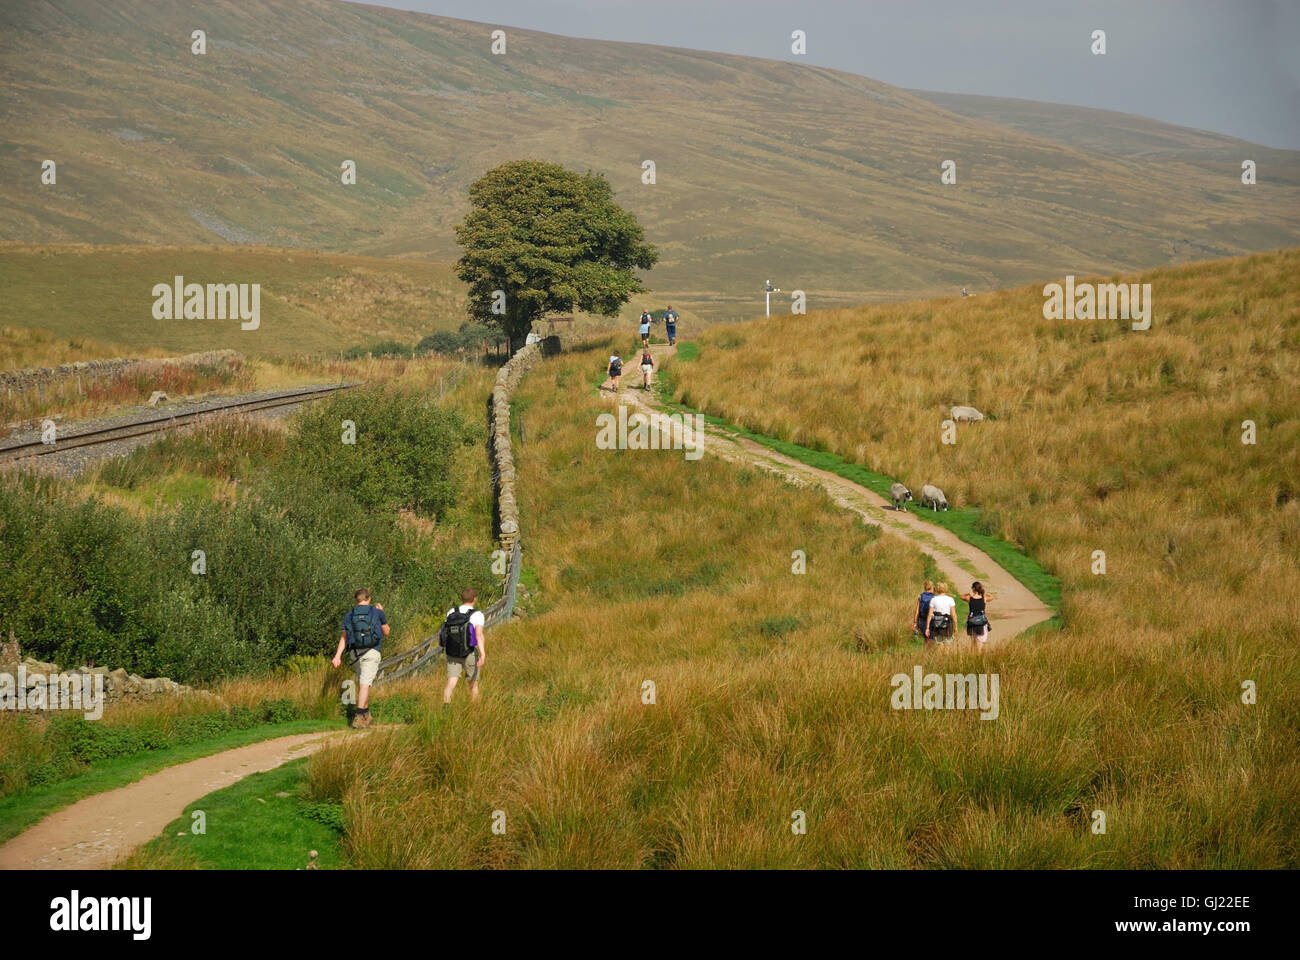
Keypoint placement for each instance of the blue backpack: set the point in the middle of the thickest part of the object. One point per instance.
(365, 633)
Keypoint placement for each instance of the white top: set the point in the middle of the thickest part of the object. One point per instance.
(476, 617)
(942, 603)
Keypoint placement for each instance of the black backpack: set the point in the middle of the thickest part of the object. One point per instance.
(616, 368)
(454, 633)
(364, 635)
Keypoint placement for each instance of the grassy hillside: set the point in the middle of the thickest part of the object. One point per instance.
(822, 180)
(1098, 438)
(643, 566)
(772, 695)
(310, 302)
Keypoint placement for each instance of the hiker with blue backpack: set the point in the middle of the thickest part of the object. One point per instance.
(921, 615)
(670, 321)
(364, 629)
(461, 636)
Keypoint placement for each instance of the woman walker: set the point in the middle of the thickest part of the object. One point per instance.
(977, 620)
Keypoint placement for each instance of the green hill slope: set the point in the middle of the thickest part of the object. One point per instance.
(311, 303)
(825, 181)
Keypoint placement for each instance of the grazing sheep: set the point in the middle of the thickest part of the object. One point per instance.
(900, 495)
(966, 414)
(932, 497)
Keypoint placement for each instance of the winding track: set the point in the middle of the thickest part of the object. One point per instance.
(1013, 607)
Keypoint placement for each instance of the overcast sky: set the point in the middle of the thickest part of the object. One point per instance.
(1231, 66)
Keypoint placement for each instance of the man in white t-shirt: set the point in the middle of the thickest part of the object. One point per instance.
(476, 653)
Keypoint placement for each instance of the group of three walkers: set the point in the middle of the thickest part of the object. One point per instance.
(935, 617)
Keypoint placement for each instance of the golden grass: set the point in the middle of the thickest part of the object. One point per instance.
(773, 689)
(1133, 709)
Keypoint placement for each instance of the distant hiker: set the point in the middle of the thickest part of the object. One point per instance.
(964, 293)
(670, 321)
(647, 367)
(977, 621)
(615, 370)
(646, 320)
(922, 613)
(364, 629)
(462, 637)
(943, 614)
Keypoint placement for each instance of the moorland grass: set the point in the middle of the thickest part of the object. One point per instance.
(772, 690)
(965, 523)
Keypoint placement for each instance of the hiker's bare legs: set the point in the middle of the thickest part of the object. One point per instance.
(363, 698)
(449, 689)
(473, 692)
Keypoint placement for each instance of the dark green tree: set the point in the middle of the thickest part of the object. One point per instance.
(550, 240)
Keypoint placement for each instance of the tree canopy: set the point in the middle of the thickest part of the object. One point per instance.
(550, 240)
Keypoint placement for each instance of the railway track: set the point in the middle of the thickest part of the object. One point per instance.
(160, 424)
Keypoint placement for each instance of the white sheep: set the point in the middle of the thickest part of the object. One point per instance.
(932, 497)
(966, 414)
(900, 495)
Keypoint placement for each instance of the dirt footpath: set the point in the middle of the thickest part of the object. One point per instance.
(1014, 607)
(99, 830)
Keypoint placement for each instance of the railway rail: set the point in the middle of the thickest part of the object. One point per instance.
(161, 424)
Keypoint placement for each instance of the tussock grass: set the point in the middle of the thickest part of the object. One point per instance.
(655, 569)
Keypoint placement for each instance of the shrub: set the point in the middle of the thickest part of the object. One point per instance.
(402, 457)
(470, 336)
(86, 581)
(384, 348)
(444, 341)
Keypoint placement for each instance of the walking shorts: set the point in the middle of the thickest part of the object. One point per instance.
(464, 666)
(367, 666)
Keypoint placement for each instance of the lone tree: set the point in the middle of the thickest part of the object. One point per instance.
(541, 239)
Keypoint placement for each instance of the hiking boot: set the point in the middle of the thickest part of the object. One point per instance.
(361, 721)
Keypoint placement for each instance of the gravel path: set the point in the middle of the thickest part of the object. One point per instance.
(99, 830)
(1014, 607)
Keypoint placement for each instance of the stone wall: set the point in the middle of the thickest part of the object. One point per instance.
(503, 459)
(119, 686)
(20, 380)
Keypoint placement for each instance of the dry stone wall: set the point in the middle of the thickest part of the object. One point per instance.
(503, 459)
(19, 380)
(119, 686)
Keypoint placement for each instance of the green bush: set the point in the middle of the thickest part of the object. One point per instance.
(444, 341)
(403, 450)
(384, 348)
(83, 581)
(470, 336)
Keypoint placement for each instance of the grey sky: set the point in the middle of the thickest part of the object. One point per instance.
(1231, 66)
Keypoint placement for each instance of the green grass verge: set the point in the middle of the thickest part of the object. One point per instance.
(18, 811)
(262, 822)
(962, 523)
